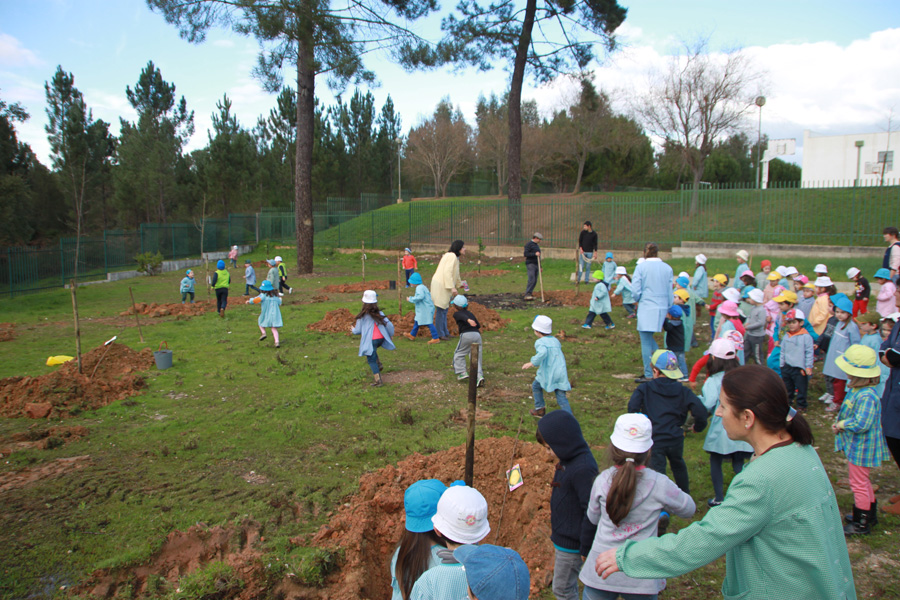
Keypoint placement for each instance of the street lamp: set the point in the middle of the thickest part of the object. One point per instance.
(399, 141)
(760, 102)
(859, 145)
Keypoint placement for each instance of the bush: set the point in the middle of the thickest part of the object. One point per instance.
(149, 264)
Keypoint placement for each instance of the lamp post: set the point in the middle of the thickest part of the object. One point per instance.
(760, 102)
(859, 144)
(399, 141)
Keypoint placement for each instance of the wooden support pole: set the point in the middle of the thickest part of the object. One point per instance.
(77, 327)
(399, 290)
(134, 308)
(577, 266)
(470, 420)
(364, 260)
(541, 277)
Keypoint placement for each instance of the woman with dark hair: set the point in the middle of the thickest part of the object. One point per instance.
(444, 286)
(778, 526)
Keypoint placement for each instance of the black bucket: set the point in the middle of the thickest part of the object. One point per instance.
(392, 285)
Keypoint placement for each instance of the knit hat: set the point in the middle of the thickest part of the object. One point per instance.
(683, 294)
(786, 296)
(743, 255)
(633, 432)
(722, 348)
(701, 259)
(825, 281)
(723, 279)
(859, 361)
(598, 274)
(621, 271)
(462, 515)
(220, 265)
(756, 295)
(189, 271)
(820, 268)
(369, 297)
(773, 276)
(881, 273)
(852, 272)
(609, 255)
(842, 302)
(420, 502)
(683, 282)
(266, 286)
(795, 314)
(667, 362)
(542, 324)
(732, 294)
(765, 263)
(278, 259)
(729, 309)
(460, 301)
(415, 279)
(871, 317)
(494, 572)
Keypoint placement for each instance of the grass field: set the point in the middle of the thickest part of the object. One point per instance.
(238, 430)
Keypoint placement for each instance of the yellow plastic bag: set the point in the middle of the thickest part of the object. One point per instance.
(58, 360)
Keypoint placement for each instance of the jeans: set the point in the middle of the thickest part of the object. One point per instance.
(566, 567)
(682, 363)
(248, 287)
(674, 451)
(431, 328)
(592, 315)
(715, 469)
(372, 359)
(629, 310)
(595, 594)
(221, 298)
(584, 263)
(532, 277)
(795, 382)
(538, 392)
(282, 285)
(463, 348)
(409, 273)
(440, 321)
(648, 347)
(184, 296)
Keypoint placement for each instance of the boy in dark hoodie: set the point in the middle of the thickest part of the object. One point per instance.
(572, 533)
(674, 328)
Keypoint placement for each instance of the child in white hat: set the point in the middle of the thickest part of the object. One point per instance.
(623, 288)
(700, 281)
(552, 375)
(375, 331)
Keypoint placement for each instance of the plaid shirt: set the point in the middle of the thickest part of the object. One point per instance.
(861, 438)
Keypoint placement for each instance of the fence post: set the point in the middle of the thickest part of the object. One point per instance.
(9, 267)
(373, 227)
(62, 264)
(451, 221)
(105, 254)
(409, 225)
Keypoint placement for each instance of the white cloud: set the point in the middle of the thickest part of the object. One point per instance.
(14, 54)
(223, 43)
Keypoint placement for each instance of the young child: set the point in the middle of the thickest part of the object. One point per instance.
(609, 269)
(700, 282)
(270, 313)
(666, 402)
(282, 276)
(796, 358)
(461, 518)
(868, 323)
(600, 303)
(494, 572)
(249, 278)
(627, 501)
(861, 291)
(748, 280)
(676, 335)
(419, 546)
(885, 298)
(410, 264)
(719, 282)
(375, 331)
(623, 288)
(765, 268)
(756, 340)
(187, 286)
(719, 446)
(799, 282)
(687, 300)
(272, 275)
(221, 279)
(730, 320)
(821, 311)
(571, 531)
(233, 257)
(552, 375)
(424, 310)
(859, 435)
(469, 333)
(742, 257)
(773, 288)
(846, 334)
(808, 297)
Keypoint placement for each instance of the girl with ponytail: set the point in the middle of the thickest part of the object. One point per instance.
(626, 502)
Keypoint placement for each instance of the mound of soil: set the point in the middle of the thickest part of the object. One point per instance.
(154, 310)
(42, 439)
(341, 320)
(347, 288)
(7, 332)
(58, 393)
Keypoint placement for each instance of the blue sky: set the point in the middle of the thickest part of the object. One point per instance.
(833, 66)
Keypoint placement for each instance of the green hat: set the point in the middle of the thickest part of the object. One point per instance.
(859, 361)
(869, 317)
(598, 274)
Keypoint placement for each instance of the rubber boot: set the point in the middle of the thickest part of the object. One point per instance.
(860, 524)
(873, 520)
(378, 382)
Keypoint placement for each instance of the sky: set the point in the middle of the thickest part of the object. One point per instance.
(831, 66)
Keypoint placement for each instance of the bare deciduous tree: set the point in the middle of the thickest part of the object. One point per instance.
(538, 144)
(441, 145)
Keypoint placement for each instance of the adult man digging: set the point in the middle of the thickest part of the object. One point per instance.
(587, 245)
(532, 253)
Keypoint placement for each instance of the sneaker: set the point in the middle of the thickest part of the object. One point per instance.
(462, 377)
(586, 326)
(663, 524)
(832, 407)
(290, 290)
(262, 337)
(613, 326)
(538, 412)
(529, 297)
(280, 294)
(410, 337)
(434, 341)
(713, 502)
(825, 397)
(480, 382)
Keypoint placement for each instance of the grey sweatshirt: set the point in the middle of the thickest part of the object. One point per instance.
(756, 321)
(797, 350)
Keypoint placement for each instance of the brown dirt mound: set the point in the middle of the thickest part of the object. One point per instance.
(65, 390)
(341, 320)
(42, 439)
(154, 310)
(7, 332)
(369, 525)
(12, 480)
(569, 298)
(346, 288)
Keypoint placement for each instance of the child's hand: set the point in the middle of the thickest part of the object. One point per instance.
(472, 322)
(527, 365)
(808, 372)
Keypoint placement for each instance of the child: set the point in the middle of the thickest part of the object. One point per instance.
(783, 280)
(375, 331)
(220, 282)
(282, 276)
(600, 303)
(270, 314)
(719, 446)
(609, 269)
(675, 335)
(858, 433)
(419, 546)
(821, 312)
(494, 573)
(627, 501)
(799, 282)
(187, 286)
(757, 344)
(272, 275)
(667, 403)
(623, 288)
(249, 278)
(846, 333)
(700, 282)
(796, 358)
(885, 299)
(861, 291)
(410, 264)
(805, 303)
(765, 268)
(730, 320)
(233, 257)
(424, 310)
(773, 288)
(748, 279)
(820, 270)
(469, 333)
(687, 300)
(719, 281)
(461, 518)
(552, 374)
(742, 257)
(571, 531)
(871, 336)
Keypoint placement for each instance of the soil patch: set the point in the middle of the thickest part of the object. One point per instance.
(485, 273)
(154, 310)
(7, 332)
(411, 376)
(341, 320)
(18, 479)
(551, 298)
(41, 438)
(65, 391)
(347, 288)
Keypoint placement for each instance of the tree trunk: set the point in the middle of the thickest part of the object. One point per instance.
(303, 188)
(695, 192)
(514, 162)
(582, 158)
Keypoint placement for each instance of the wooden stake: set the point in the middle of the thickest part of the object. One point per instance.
(364, 260)
(77, 328)
(134, 308)
(470, 421)
(399, 292)
(577, 266)
(541, 277)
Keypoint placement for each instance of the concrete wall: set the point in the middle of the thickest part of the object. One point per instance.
(832, 158)
(727, 250)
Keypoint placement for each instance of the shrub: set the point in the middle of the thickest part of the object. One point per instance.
(149, 264)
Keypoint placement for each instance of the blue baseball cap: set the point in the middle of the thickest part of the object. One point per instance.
(220, 264)
(667, 362)
(842, 302)
(266, 286)
(609, 255)
(494, 572)
(420, 503)
(675, 311)
(460, 301)
(415, 279)
(683, 281)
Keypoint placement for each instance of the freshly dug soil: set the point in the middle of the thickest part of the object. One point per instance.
(7, 332)
(485, 273)
(42, 439)
(346, 288)
(154, 310)
(341, 320)
(65, 390)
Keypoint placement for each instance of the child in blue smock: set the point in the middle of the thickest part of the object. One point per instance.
(375, 331)
(270, 312)
(700, 280)
(600, 303)
(687, 300)
(609, 269)
(846, 333)
(869, 325)
(187, 286)
(424, 310)
(623, 288)
(552, 375)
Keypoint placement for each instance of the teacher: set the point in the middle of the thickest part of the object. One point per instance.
(779, 526)
(651, 287)
(443, 286)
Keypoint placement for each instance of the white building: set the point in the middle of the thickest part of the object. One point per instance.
(840, 159)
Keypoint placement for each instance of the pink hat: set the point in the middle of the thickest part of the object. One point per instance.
(802, 279)
(729, 309)
(723, 348)
(748, 273)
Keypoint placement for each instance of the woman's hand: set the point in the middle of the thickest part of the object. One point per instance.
(453, 291)
(606, 563)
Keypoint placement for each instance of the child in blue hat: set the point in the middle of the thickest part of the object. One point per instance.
(424, 309)
(187, 286)
(419, 546)
(469, 333)
(885, 299)
(846, 333)
(270, 315)
(609, 268)
(494, 572)
(221, 279)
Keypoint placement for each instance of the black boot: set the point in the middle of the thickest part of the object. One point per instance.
(873, 520)
(860, 524)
